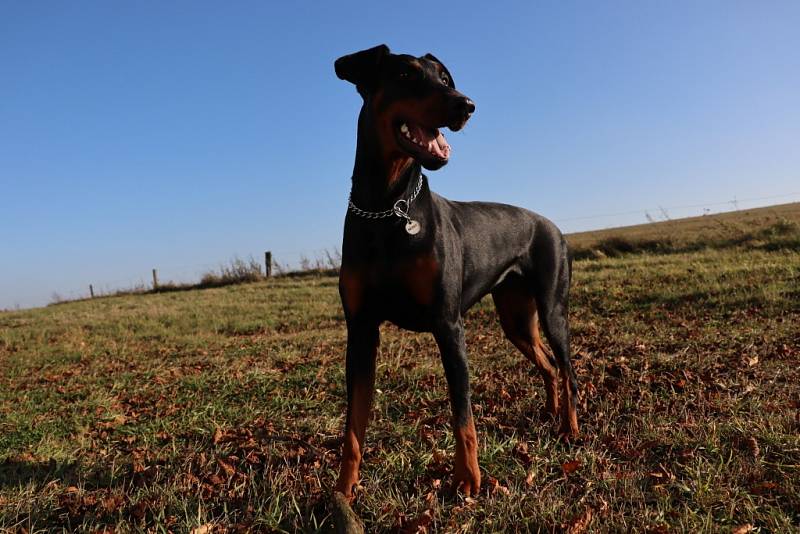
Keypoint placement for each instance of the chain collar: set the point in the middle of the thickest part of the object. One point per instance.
(400, 208)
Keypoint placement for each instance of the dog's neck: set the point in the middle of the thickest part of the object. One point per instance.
(378, 182)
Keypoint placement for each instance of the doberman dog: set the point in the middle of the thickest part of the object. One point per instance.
(421, 261)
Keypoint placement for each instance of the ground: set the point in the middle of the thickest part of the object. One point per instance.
(222, 409)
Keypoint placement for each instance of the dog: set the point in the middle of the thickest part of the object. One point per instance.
(420, 261)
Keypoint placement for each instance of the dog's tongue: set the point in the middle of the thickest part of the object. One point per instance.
(432, 140)
(439, 146)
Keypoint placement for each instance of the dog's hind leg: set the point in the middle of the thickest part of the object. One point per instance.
(552, 280)
(516, 309)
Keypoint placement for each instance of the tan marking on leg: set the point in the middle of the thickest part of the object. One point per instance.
(352, 451)
(546, 370)
(569, 414)
(467, 472)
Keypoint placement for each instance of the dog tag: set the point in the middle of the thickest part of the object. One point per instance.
(412, 227)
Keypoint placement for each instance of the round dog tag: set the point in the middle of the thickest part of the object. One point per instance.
(412, 227)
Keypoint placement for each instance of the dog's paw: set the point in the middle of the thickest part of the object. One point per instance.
(467, 480)
(567, 433)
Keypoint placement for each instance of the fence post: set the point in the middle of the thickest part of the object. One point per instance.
(91, 291)
(155, 279)
(268, 263)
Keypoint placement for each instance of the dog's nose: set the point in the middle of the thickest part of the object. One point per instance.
(468, 106)
(463, 107)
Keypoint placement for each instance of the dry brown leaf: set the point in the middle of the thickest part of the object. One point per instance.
(112, 502)
(228, 468)
(571, 467)
(202, 529)
(579, 524)
(752, 445)
(420, 524)
(742, 529)
(763, 487)
(529, 479)
(521, 452)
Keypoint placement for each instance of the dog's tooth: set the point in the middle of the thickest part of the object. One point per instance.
(404, 128)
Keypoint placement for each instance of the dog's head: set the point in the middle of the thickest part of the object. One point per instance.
(408, 100)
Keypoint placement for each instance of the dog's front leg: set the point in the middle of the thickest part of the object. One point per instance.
(453, 349)
(362, 348)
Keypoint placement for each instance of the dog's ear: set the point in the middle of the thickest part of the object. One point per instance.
(362, 68)
(436, 59)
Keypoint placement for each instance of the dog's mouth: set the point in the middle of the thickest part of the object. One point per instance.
(427, 145)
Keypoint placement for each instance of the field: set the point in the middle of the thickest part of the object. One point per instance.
(221, 409)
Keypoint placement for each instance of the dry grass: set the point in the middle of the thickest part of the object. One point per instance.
(770, 227)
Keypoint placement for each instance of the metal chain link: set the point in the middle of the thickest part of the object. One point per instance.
(395, 210)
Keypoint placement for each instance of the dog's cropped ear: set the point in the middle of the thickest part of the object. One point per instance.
(436, 59)
(362, 68)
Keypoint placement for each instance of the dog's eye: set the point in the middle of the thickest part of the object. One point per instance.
(445, 80)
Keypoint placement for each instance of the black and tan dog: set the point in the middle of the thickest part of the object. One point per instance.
(421, 261)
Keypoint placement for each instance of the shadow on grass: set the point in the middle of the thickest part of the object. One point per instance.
(16, 473)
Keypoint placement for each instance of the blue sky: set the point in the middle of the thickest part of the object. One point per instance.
(178, 135)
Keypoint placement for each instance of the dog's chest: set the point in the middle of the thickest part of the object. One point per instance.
(393, 289)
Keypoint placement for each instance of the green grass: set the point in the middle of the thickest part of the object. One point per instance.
(224, 407)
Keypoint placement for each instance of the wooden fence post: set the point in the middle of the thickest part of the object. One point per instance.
(268, 263)
(155, 279)
(91, 291)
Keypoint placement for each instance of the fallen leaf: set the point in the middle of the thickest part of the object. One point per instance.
(742, 529)
(112, 503)
(529, 479)
(521, 452)
(571, 467)
(763, 487)
(752, 445)
(202, 529)
(496, 487)
(579, 524)
(419, 525)
(228, 468)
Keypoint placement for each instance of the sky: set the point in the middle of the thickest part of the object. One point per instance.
(179, 135)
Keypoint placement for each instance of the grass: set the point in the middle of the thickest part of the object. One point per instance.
(221, 409)
(769, 227)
